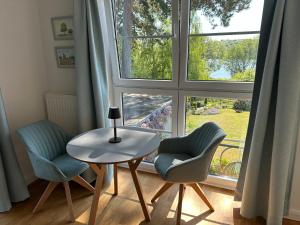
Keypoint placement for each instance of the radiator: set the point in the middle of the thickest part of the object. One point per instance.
(62, 110)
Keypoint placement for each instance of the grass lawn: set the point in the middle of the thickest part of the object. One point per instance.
(234, 124)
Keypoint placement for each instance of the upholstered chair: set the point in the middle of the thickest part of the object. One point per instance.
(46, 146)
(186, 161)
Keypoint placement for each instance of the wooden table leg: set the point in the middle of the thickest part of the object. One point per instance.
(116, 179)
(99, 170)
(133, 166)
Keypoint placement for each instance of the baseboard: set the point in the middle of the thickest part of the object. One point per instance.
(294, 214)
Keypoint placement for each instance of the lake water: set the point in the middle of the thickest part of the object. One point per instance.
(221, 74)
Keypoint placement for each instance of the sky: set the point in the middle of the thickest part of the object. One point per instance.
(246, 20)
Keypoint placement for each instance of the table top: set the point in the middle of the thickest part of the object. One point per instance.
(93, 146)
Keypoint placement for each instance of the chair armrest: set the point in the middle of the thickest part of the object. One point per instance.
(191, 170)
(175, 145)
(46, 169)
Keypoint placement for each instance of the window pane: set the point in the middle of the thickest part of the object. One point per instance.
(230, 114)
(150, 158)
(146, 58)
(227, 58)
(143, 18)
(150, 112)
(225, 16)
(147, 111)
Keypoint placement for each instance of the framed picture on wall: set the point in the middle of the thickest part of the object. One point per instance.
(62, 28)
(65, 56)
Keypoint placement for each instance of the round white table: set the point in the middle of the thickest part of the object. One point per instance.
(93, 147)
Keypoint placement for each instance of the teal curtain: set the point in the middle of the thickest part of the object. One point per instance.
(265, 185)
(12, 183)
(266, 25)
(91, 70)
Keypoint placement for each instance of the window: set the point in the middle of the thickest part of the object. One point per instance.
(183, 65)
(147, 111)
(222, 57)
(232, 114)
(221, 47)
(145, 32)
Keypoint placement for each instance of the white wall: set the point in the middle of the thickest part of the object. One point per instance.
(60, 80)
(22, 69)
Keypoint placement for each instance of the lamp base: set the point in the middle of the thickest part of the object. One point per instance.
(115, 140)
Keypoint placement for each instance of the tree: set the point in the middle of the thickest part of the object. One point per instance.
(198, 68)
(245, 76)
(240, 55)
(63, 27)
(221, 10)
(153, 17)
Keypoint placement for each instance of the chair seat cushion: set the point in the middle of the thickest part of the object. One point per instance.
(164, 161)
(70, 167)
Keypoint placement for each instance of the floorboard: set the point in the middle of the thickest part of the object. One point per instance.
(125, 209)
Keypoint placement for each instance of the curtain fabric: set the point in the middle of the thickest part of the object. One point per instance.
(266, 24)
(265, 189)
(12, 183)
(91, 71)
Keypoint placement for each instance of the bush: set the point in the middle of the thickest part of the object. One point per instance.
(241, 105)
(216, 167)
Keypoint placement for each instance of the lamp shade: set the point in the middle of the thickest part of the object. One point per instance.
(114, 113)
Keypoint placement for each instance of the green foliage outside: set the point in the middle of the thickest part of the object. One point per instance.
(151, 58)
(241, 105)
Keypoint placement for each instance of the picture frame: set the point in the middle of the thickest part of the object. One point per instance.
(62, 28)
(65, 56)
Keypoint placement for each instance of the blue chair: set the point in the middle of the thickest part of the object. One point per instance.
(186, 160)
(46, 146)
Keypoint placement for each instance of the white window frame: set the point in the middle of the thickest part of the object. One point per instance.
(180, 87)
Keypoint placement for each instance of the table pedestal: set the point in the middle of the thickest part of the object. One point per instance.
(99, 170)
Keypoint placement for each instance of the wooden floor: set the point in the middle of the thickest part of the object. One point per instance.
(125, 208)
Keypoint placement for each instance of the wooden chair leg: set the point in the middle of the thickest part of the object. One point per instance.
(49, 189)
(116, 179)
(162, 190)
(201, 194)
(179, 207)
(82, 182)
(69, 200)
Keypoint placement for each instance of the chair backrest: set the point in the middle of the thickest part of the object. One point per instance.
(44, 139)
(205, 139)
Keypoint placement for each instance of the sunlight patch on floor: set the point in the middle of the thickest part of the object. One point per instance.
(84, 217)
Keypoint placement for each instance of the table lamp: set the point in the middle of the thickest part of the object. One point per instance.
(114, 113)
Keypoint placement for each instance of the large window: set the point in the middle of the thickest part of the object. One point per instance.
(221, 46)
(184, 63)
(145, 34)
